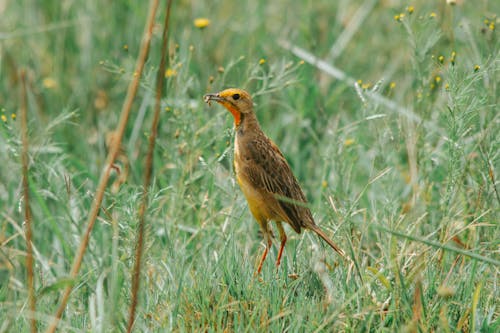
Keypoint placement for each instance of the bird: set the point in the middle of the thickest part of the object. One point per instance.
(264, 175)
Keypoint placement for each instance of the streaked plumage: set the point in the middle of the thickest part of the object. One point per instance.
(265, 178)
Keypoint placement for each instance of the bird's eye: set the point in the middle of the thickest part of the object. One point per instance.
(236, 96)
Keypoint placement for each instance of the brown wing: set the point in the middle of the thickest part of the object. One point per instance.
(271, 173)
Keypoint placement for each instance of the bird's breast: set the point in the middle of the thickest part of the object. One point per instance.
(257, 201)
(239, 167)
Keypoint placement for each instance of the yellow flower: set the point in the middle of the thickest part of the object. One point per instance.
(492, 26)
(437, 79)
(201, 22)
(13, 116)
(399, 17)
(4, 118)
(49, 83)
(125, 47)
(453, 56)
(324, 184)
(476, 68)
(441, 59)
(392, 85)
(170, 72)
(301, 62)
(366, 86)
(432, 15)
(410, 9)
(349, 142)
(262, 61)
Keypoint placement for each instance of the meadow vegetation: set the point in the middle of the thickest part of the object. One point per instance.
(387, 112)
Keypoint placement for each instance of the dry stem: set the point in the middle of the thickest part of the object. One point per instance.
(148, 171)
(99, 195)
(27, 211)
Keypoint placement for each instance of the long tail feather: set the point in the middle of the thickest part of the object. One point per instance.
(322, 234)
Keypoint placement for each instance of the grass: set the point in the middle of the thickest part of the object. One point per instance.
(401, 171)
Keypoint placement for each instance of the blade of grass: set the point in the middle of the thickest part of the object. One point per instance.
(52, 27)
(352, 27)
(341, 75)
(475, 301)
(99, 195)
(417, 305)
(438, 245)
(27, 210)
(136, 274)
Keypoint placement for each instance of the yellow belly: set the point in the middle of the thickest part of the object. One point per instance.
(259, 203)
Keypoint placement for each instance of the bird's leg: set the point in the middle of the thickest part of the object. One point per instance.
(267, 237)
(282, 244)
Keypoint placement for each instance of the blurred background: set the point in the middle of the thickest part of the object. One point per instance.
(387, 112)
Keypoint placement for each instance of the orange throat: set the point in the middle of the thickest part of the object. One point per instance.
(236, 115)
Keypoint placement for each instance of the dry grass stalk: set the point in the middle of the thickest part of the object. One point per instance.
(101, 187)
(27, 211)
(136, 274)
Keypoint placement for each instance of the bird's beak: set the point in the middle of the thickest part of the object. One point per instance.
(224, 102)
(212, 97)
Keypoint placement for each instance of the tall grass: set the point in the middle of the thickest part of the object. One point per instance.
(401, 171)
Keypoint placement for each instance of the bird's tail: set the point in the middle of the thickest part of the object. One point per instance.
(322, 234)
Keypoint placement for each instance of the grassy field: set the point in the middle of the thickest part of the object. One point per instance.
(387, 112)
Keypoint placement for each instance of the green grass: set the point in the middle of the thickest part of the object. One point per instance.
(412, 200)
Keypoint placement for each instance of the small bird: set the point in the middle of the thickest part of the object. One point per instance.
(264, 176)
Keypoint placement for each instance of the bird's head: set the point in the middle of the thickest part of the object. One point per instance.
(236, 101)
